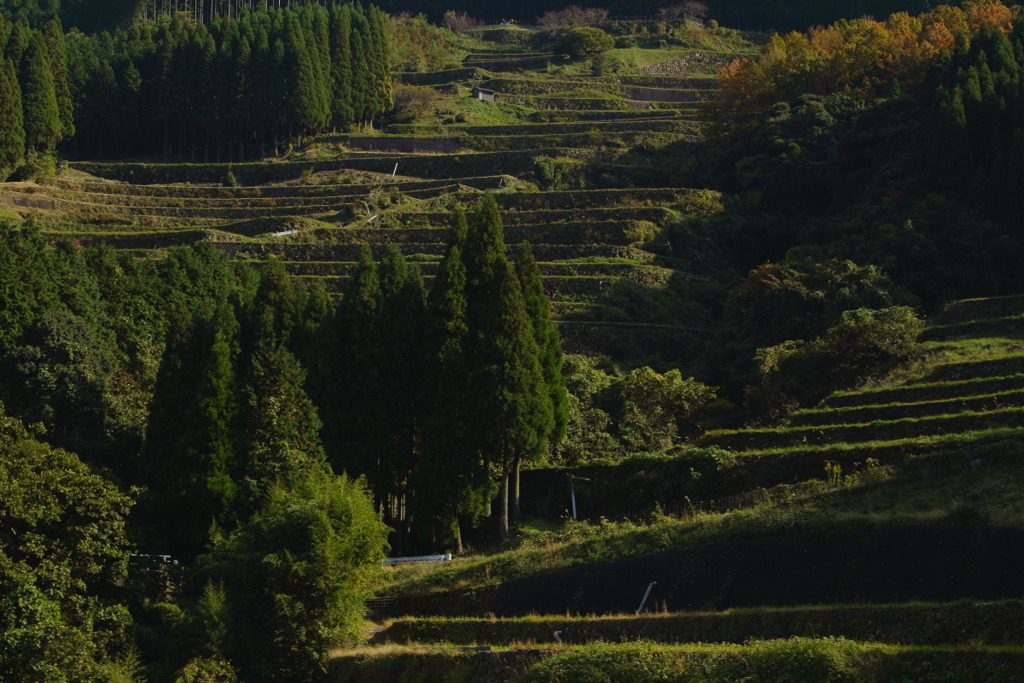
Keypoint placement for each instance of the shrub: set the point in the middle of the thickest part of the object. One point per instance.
(411, 101)
(584, 41)
(559, 174)
(864, 342)
(507, 35)
(573, 15)
(460, 22)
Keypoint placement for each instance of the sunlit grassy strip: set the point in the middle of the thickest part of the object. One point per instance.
(256, 203)
(187, 212)
(995, 491)
(764, 440)
(584, 139)
(131, 240)
(808, 660)
(892, 411)
(310, 187)
(915, 445)
(1006, 324)
(324, 251)
(905, 624)
(665, 122)
(685, 109)
(554, 285)
(965, 310)
(933, 391)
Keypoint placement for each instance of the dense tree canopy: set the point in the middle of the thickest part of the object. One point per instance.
(234, 87)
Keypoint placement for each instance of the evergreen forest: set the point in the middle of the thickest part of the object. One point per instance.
(346, 342)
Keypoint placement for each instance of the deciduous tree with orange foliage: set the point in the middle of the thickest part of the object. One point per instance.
(859, 57)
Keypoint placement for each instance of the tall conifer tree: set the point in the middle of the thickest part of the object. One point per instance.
(38, 98)
(12, 132)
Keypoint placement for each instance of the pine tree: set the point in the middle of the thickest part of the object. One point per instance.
(12, 132)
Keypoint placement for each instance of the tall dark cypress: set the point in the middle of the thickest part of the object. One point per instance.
(549, 345)
(53, 35)
(12, 132)
(453, 478)
(39, 98)
(402, 358)
(514, 411)
(341, 66)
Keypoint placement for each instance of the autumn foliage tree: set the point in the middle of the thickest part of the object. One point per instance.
(859, 57)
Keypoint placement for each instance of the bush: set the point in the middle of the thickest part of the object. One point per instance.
(559, 174)
(573, 15)
(411, 101)
(585, 41)
(864, 342)
(576, 42)
(507, 35)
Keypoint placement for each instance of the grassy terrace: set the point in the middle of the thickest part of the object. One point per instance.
(929, 477)
(921, 624)
(760, 660)
(991, 492)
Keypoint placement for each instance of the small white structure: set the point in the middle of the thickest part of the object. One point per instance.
(484, 94)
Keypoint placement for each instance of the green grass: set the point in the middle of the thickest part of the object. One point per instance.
(807, 660)
(916, 623)
(993, 492)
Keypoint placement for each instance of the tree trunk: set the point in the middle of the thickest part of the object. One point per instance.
(516, 511)
(503, 518)
(457, 535)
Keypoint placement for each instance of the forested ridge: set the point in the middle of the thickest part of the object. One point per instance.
(176, 88)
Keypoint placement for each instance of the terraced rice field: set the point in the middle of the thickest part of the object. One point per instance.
(893, 562)
(398, 186)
